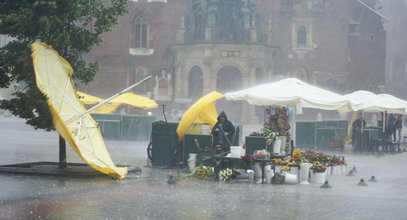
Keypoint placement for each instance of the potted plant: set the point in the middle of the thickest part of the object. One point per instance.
(202, 172)
(318, 172)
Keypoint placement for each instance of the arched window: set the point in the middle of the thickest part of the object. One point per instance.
(195, 83)
(302, 74)
(302, 36)
(141, 32)
(259, 76)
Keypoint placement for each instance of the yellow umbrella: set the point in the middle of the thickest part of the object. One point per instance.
(53, 75)
(202, 111)
(88, 99)
(125, 98)
(135, 100)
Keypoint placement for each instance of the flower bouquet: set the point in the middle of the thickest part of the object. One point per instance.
(202, 172)
(318, 167)
(227, 174)
(248, 159)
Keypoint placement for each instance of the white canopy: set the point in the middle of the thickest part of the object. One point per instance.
(374, 103)
(395, 100)
(292, 91)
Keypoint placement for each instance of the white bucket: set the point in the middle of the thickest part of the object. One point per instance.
(192, 162)
(192, 157)
(206, 129)
(319, 177)
(290, 179)
(277, 146)
(235, 151)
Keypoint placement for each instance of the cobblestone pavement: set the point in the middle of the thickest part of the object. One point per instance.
(146, 195)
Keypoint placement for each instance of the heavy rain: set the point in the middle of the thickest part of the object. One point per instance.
(203, 109)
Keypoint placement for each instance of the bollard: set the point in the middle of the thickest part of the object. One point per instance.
(373, 179)
(326, 185)
(362, 182)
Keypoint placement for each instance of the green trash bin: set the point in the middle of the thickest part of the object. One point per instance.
(163, 141)
(110, 125)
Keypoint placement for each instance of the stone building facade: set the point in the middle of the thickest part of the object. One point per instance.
(192, 47)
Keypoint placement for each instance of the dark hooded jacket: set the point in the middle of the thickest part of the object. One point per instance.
(227, 126)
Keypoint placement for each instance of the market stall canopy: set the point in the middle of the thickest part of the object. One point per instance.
(292, 91)
(371, 102)
(202, 111)
(72, 121)
(396, 100)
(125, 98)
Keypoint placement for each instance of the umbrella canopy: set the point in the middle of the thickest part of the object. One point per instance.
(125, 98)
(53, 75)
(292, 91)
(88, 99)
(202, 111)
(395, 100)
(371, 102)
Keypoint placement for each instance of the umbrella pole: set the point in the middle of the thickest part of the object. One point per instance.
(62, 152)
(115, 95)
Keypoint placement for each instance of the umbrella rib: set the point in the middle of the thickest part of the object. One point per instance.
(64, 95)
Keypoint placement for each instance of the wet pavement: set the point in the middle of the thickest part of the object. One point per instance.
(146, 195)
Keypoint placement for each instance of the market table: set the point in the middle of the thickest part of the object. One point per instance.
(224, 159)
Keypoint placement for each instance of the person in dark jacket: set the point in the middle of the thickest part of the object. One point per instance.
(357, 133)
(223, 129)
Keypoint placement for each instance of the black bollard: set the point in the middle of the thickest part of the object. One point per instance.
(373, 179)
(354, 170)
(326, 185)
(350, 173)
(362, 182)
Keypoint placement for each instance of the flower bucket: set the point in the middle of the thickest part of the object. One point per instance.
(312, 176)
(304, 173)
(283, 142)
(343, 168)
(236, 151)
(319, 177)
(257, 170)
(328, 170)
(335, 170)
(192, 162)
(269, 174)
(294, 170)
(277, 146)
(290, 179)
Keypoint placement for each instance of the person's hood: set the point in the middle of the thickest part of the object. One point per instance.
(222, 114)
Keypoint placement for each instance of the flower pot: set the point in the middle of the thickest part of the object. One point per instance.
(319, 177)
(290, 179)
(269, 174)
(277, 146)
(343, 168)
(304, 173)
(294, 170)
(312, 176)
(192, 162)
(335, 170)
(283, 142)
(257, 170)
(328, 170)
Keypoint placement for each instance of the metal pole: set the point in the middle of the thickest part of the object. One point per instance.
(115, 95)
(62, 152)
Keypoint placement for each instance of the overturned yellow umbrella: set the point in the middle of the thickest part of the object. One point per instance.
(131, 99)
(73, 122)
(202, 111)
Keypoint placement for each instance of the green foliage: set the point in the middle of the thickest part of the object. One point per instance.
(71, 27)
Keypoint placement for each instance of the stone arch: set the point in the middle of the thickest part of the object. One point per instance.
(195, 82)
(229, 78)
(302, 74)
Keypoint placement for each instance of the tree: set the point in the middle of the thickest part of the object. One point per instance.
(72, 27)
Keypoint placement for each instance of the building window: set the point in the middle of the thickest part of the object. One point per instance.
(302, 36)
(398, 70)
(141, 33)
(195, 83)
